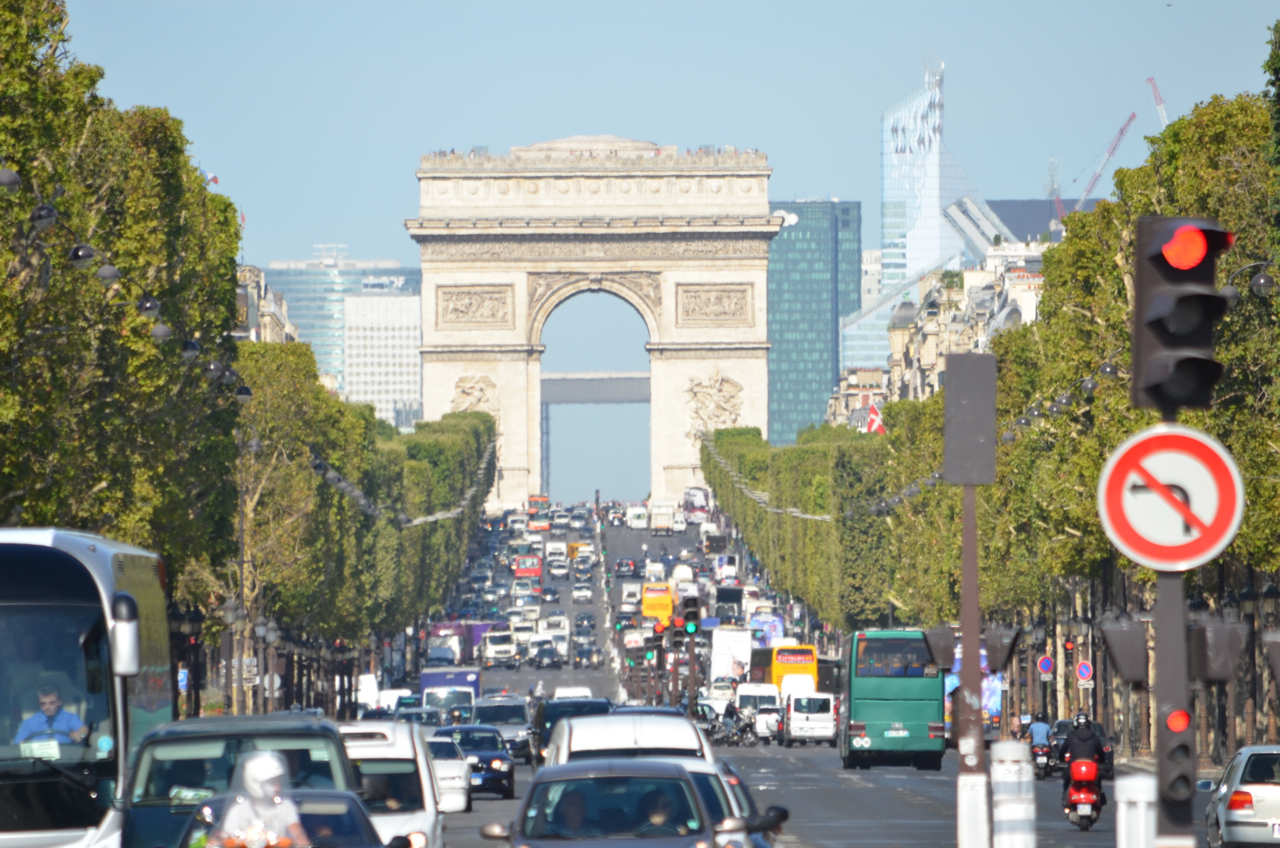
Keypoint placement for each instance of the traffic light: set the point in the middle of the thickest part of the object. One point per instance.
(659, 628)
(1069, 648)
(1175, 308)
(692, 615)
(1177, 767)
(650, 648)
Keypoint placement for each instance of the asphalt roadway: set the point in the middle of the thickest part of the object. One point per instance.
(830, 806)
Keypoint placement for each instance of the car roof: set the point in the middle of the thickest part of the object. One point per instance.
(493, 700)
(639, 709)
(619, 767)
(470, 728)
(613, 730)
(244, 725)
(393, 739)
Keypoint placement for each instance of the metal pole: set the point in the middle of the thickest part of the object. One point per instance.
(973, 826)
(1173, 693)
(693, 673)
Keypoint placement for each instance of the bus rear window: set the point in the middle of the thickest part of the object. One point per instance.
(894, 658)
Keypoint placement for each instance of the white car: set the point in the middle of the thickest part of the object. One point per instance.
(582, 593)
(626, 735)
(453, 772)
(399, 788)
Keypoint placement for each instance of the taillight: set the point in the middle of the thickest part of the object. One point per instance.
(1240, 801)
(937, 729)
(858, 727)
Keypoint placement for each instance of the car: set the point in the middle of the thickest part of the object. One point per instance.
(398, 784)
(502, 586)
(626, 735)
(559, 568)
(489, 595)
(429, 716)
(599, 803)
(585, 619)
(583, 637)
(1106, 768)
(546, 657)
(452, 771)
(1244, 799)
(624, 568)
(584, 657)
(547, 713)
(182, 764)
(491, 767)
(550, 595)
(582, 593)
(341, 815)
(511, 716)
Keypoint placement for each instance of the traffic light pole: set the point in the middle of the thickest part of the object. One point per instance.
(693, 673)
(973, 830)
(1175, 737)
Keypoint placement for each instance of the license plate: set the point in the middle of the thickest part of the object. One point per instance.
(476, 781)
(1042, 759)
(897, 733)
(1084, 809)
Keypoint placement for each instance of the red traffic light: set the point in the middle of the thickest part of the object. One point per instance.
(1187, 248)
(1178, 721)
(678, 623)
(659, 628)
(1069, 645)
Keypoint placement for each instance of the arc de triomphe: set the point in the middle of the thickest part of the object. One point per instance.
(684, 239)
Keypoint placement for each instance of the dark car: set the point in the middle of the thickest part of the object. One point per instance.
(625, 568)
(1062, 727)
(492, 769)
(331, 819)
(182, 764)
(510, 714)
(584, 657)
(546, 657)
(549, 712)
(550, 594)
(585, 619)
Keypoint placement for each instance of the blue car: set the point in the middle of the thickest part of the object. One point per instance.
(492, 769)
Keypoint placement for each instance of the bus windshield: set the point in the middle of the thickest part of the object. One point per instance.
(894, 658)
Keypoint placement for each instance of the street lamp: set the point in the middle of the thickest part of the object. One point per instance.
(1270, 601)
(260, 626)
(1248, 599)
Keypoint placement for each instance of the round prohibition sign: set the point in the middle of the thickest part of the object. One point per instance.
(1084, 670)
(1045, 664)
(1170, 498)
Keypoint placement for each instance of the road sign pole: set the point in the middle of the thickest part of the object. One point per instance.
(1176, 747)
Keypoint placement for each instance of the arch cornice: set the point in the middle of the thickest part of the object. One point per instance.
(641, 289)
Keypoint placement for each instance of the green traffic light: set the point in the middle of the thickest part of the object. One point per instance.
(691, 627)
(617, 626)
(648, 655)
(630, 662)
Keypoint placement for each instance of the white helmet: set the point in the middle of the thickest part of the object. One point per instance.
(261, 768)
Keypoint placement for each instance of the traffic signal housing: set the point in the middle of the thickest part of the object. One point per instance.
(692, 615)
(1175, 308)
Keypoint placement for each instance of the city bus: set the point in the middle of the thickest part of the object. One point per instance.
(770, 665)
(528, 566)
(894, 712)
(539, 513)
(84, 620)
(656, 601)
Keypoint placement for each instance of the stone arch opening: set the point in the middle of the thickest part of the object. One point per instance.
(595, 415)
(640, 290)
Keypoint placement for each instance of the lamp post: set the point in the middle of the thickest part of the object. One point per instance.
(1248, 605)
(229, 612)
(270, 689)
(1270, 607)
(260, 631)
(1230, 612)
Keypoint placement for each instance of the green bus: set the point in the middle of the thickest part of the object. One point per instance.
(893, 712)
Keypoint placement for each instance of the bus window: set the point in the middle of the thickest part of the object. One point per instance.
(894, 658)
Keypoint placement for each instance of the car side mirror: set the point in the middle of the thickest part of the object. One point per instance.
(731, 824)
(1204, 785)
(126, 643)
(494, 830)
(772, 819)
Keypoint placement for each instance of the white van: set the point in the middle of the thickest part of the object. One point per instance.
(563, 692)
(637, 518)
(626, 735)
(554, 624)
(809, 717)
(399, 786)
(763, 699)
(558, 549)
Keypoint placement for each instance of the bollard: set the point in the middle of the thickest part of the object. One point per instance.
(1013, 796)
(1136, 811)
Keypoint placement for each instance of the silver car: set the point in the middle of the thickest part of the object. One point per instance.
(1244, 804)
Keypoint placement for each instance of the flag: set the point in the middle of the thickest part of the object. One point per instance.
(874, 423)
(211, 177)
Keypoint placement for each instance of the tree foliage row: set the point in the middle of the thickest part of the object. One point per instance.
(1038, 524)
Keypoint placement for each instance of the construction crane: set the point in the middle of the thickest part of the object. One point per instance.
(1055, 191)
(1164, 116)
(1111, 151)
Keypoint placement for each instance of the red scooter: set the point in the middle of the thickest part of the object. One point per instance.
(1084, 795)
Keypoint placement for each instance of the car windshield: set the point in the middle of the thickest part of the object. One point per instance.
(447, 700)
(443, 749)
(755, 702)
(431, 718)
(501, 714)
(611, 807)
(894, 658)
(812, 706)
(391, 786)
(474, 740)
(330, 822)
(557, 710)
(500, 639)
(186, 771)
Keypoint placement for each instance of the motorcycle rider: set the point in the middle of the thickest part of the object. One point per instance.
(1039, 730)
(1081, 744)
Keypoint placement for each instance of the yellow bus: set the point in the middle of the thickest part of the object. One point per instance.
(770, 665)
(656, 601)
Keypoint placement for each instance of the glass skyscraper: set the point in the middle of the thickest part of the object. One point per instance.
(815, 279)
(316, 290)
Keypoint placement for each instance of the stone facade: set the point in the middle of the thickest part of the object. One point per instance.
(684, 239)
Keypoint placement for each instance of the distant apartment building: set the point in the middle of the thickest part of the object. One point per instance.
(262, 315)
(850, 404)
(815, 265)
(382, 366)
(317, 289)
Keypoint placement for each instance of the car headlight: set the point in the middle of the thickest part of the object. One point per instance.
(500, 765)
(522, 734)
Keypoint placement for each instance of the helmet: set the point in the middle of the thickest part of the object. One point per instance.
(262, 774)
(1082, 720)
(1042, 718)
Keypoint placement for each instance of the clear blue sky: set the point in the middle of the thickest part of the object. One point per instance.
(313, 114)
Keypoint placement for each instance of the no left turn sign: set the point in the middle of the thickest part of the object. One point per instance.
(1170, 498)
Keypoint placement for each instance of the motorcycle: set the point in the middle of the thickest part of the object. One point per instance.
(1084, 794)
(1042, 757)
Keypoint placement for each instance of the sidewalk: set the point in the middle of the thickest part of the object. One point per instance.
(1147, 765)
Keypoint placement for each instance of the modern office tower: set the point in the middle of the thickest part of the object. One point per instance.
(316, 290)
(815, 278)
(382, 366)
(931, 216)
